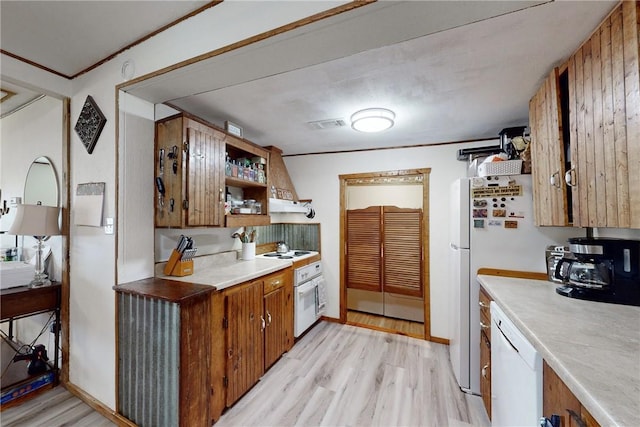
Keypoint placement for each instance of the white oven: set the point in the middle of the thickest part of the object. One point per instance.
(310, 296)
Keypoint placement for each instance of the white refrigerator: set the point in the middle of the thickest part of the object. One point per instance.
(492, 226)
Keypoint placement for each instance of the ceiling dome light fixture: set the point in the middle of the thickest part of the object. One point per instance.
(372, 120)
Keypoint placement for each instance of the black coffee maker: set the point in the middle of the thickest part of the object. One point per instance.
(601, 269)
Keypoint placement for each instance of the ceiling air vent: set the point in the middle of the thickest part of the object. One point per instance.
(326, 124)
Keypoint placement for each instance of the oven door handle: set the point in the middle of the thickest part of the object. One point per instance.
(306, 291)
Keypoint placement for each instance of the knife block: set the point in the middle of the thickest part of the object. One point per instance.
(177, 267)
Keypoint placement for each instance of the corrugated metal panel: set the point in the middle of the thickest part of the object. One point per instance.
(148, 358)
(297, 236)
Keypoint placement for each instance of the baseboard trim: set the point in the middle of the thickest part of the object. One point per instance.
(98, 406)
(381, 329)
(439, 340)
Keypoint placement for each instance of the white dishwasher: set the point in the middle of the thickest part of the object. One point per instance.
(516, 375)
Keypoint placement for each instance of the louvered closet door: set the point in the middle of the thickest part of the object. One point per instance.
(402, 254)
(363, 249)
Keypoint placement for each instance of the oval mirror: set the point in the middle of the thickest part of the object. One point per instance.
(41, 184)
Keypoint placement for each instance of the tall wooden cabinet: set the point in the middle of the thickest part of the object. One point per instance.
(601, 127)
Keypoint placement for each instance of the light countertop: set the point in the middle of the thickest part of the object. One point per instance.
(223, 273)
(594, 347)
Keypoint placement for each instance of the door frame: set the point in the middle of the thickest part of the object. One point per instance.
(406, 176)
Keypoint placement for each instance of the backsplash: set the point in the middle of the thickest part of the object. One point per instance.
(217, 240)
(296, 236)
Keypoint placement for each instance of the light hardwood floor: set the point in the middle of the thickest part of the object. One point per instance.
(53, 408)
(342, 375)
(387, 324)
(336, 375)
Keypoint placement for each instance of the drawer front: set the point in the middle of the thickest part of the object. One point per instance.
(485, 313)
(274, 281)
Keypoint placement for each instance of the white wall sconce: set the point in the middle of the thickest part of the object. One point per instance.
(372, 120)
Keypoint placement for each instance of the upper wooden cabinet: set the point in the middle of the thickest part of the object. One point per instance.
(601, 106)
(237, 149)
(548, 160)
(189, 164)
(604, 108)
(190, 167)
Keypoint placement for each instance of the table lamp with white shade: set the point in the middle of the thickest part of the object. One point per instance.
(40, 222)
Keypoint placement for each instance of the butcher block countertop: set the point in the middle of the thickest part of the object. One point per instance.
(594, 347)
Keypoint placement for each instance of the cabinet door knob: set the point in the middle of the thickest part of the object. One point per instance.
(554, 180)
(264, 324)
(482, 304)
(268, 318)
(484, 370)
(484, 325)
(569, 177)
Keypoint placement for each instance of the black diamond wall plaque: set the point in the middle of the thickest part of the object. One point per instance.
(90, 124)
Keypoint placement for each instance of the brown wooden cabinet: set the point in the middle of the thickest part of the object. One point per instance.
(237, 149)
(604, 106)
(485, 350)
(189, 161)
(163, 352)
(601, 126)
(548, 160)
(244, 338)
(557, 399)
(278, 309)
(259, 329)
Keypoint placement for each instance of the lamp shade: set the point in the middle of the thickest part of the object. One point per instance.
(35, 220)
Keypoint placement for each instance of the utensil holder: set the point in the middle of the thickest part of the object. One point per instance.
(248, 251)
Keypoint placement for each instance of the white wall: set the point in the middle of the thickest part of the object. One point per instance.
(92, 253)
(316, 177)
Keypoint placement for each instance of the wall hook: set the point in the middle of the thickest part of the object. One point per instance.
(4, 210)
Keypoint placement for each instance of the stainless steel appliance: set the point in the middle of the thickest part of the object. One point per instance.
(601, 269)
(309, 296)
(492, 226)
